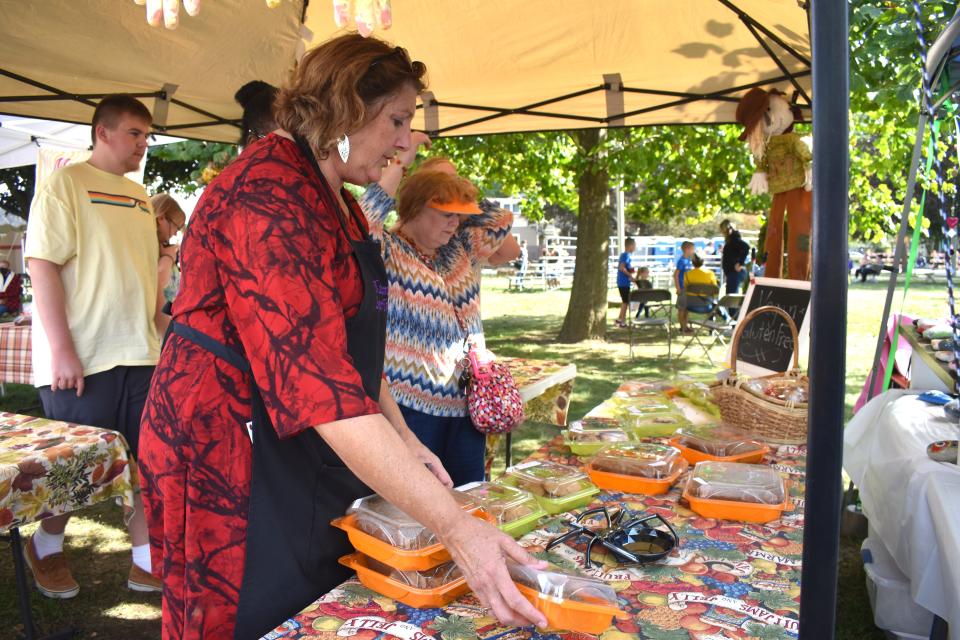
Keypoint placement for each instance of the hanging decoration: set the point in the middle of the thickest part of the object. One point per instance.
(167, 12)
(367, 15)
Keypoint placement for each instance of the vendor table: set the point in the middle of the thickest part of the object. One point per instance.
(16, 365)
(912, 502)
(545, 387)
(48, 468)
(926, 372)
(727, 579)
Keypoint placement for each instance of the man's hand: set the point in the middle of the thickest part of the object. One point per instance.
(67, 371)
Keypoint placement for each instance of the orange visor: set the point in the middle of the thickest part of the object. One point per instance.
(463, 207)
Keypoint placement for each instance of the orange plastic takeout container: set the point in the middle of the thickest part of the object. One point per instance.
(409, 595)
(567, 601)
(763, 494)
(732, 450)
(388, 535)
(641, 468)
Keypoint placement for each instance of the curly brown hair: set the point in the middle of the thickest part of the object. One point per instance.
(422, 187)
(337, 87)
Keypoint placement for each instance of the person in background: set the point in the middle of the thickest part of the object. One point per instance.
(170, 221)
(92, 253)
(736, 253)
(699, 275)
(625, 273)
(643, 282)
(268, 415)
(521, 264)
(433, 253)
(11, 290)
(683, 265)
(256, 98)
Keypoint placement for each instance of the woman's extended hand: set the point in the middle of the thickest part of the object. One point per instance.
(417, 139)
(427, 457)
(481, 552)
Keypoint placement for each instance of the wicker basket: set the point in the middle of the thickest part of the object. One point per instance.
(766, 418)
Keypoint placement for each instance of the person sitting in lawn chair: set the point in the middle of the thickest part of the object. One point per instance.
(699, 275)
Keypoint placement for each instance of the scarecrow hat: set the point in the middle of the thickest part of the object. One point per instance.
(750, 110)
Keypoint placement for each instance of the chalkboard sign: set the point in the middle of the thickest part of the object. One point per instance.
(766, 344)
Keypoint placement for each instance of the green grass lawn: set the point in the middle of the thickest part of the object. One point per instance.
(517, 324)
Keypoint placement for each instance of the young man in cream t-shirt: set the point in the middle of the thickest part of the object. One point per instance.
(92, 253)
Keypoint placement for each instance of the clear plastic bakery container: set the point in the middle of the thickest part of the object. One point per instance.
(384, 521)
(586, 437)
(385, 533)
(557, 487)
(516, 511)
(570, 602)
(721, 445)
(736, 491)
(656, 425)
(432, 588)
(641, 468)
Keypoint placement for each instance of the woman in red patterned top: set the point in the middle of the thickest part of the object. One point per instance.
(268, 416)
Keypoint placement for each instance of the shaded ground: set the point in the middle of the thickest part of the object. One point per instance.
(517, 324)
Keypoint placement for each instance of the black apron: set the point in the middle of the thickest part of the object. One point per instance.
(299, 485)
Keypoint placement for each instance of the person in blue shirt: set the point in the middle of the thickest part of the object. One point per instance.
(684, 264)
(625, 278)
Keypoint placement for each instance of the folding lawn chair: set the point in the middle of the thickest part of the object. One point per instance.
(657, 302)
(714, 327)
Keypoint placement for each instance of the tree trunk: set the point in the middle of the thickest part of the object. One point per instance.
(587, 311)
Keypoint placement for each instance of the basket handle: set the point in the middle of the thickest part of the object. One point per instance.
(753, 314)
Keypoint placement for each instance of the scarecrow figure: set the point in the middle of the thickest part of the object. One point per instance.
(783, 169)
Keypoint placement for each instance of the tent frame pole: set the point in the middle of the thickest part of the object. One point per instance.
(777, 61)
(87, 99)
(498, 112)
(831, 165)
(747, 18)
(908, 198)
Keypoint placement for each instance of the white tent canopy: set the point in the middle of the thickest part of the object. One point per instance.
(494, 65)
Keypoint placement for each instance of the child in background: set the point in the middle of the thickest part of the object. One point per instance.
(625, 279)
(684, 264)
(643, 282)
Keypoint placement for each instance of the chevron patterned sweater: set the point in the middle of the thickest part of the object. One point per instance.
(424, 338)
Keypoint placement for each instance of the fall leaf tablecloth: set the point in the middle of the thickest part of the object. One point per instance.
(727, 580)
(48, 468)
(545, 386)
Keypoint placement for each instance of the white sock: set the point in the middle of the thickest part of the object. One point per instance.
(141, 556)
(47, 544)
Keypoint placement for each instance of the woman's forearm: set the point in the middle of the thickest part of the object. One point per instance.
(391, 411)
(371, 447)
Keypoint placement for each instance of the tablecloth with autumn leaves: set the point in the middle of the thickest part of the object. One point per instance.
(48, 468)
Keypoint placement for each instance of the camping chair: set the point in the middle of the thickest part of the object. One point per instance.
(720, 327)
(714, 327)
(658, 303)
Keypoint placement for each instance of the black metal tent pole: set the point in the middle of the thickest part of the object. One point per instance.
(821, 534)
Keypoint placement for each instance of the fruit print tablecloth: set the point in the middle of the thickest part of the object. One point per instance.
(727, 580)
(48, 468)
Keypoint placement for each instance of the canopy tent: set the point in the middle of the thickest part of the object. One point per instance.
(502, 66)
(494, 65)
(22, 138)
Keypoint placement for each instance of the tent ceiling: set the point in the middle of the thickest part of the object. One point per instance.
(494, 65)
